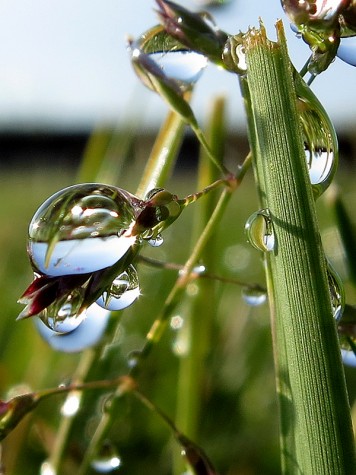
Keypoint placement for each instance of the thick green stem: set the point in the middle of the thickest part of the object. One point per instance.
(315, 417)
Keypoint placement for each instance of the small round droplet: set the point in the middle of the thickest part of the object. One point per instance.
(86, 335)
(63, 315)
(156, 241)
(82, 229)
(133, 358)
(71, 404)
(337, 292)
(254, 296)
(259, 230)
(348, 357)
(123, 291)
(107, 461)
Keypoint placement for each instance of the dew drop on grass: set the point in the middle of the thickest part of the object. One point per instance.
(320, 141)
(156, 242)
(184, 66)
(156, 49)
(47, 469)
(123, 291)
(81, 229)
(71, 404)
(63, 315)
(337, 293)
(107, 461)
(259, 231)
(253, 296)
(86, 335)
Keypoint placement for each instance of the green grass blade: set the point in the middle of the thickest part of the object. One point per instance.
(316, 425)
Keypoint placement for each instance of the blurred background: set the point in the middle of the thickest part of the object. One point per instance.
(67, 90)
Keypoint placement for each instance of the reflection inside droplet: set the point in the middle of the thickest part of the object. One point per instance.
(259, 230)
(183, 66)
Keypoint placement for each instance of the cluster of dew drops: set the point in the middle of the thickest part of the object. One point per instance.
(78, 239)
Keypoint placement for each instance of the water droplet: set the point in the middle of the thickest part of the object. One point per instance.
(133, 358)
(156, 241)
(47, 469)
(259, 230)
(348, 357)
(160, 54)
(347, 50)
(63, 315)
(82, 229)
(184, 66)
(337, 292)
(254, 296)
(123, 291)
(304, 12)
(71, 404)
(234, 54)
(320, 141)
(107, 461)
(86, 335)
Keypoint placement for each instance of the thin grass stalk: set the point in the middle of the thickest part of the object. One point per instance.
(315, 416)
(199, 316)
(161, 161)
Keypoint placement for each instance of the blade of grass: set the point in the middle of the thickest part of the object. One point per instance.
(198, 319)
(315, 416)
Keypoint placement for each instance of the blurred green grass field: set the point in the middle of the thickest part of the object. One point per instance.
(239, 428)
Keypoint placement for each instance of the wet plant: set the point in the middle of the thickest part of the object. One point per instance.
(88, 242)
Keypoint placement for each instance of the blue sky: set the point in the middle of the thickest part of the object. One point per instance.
(64, 65)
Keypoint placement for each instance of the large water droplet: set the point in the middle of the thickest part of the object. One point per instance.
(347, 50)
(82, 229)
(63, 315)
(254, 296)
(86, 335)
(337, 292)
(123, 291)
(174, 60)
(259, 230)
(320, 141)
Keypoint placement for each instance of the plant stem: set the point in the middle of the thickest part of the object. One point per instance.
(200, 313)
(315, 417)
